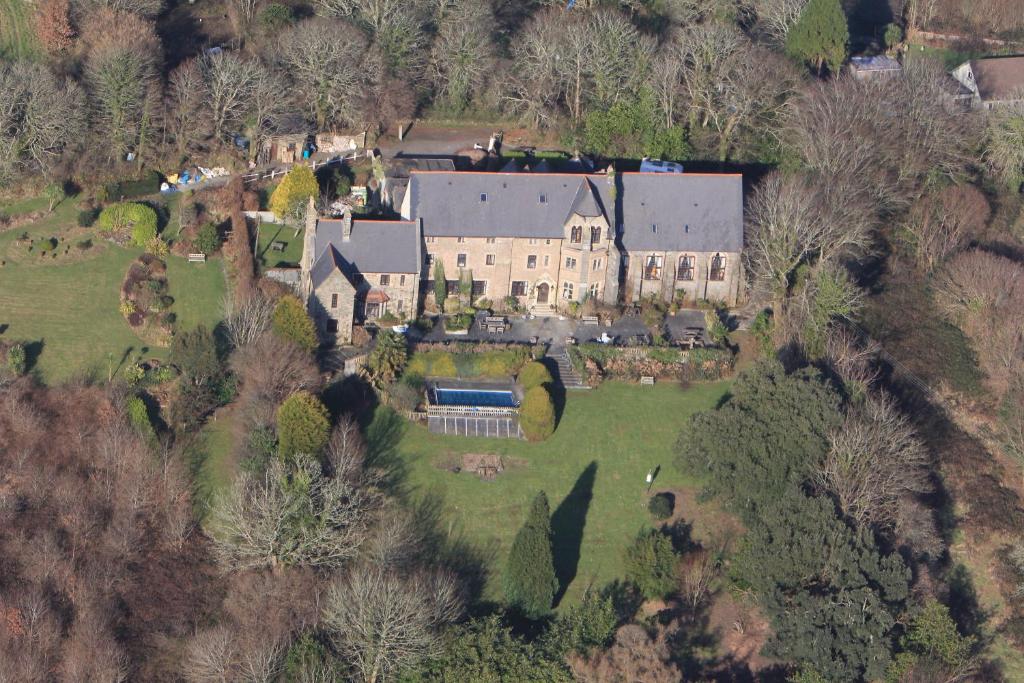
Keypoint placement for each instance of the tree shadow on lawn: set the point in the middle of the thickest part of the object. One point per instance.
(448, 546)
(567, 524)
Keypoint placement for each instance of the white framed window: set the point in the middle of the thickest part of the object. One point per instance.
(595, 289)
(570, 263)
(567, 290)
(334, 300)
(596, 265)
(717, 272)
(385, 279)
(531, 261)
(489, 259)
(460, 260)
(652, 267)
(460, 240)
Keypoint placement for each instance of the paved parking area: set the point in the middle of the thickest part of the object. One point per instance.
(493, 427)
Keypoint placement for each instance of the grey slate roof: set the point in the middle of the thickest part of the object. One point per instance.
(585, 204)
(375, 247)
(692, 212)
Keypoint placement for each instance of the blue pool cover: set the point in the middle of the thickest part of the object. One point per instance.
(474, 397)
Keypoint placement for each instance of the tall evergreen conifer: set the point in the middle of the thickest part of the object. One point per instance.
(530, 581)
(821, 37)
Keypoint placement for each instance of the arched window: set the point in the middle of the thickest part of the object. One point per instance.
(717, 268)
(595, 235)
(686, 265)
(577, 234)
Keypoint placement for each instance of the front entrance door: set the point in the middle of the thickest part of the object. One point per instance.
(542, 293)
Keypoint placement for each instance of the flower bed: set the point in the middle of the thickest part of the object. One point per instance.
(596, 362)
(145, 301)
(472, 361)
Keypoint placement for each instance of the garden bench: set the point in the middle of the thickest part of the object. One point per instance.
(647, 379)
(590, 320)
(197, 258)
(494, 323)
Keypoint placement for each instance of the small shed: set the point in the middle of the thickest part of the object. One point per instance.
(877, 66)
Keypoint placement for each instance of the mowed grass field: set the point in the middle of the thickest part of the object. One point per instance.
(592, 470)
(68, 311)
(17, 35)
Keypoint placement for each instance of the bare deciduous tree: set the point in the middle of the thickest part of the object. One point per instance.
(248, 319)
(270, 369)
(324, 58)
(39, 117)
(697, 572)
(983, 293)
(186, 97)
(794, 220)
(888, 135)
(875, 461)
(287, 518)
(534, 87)
(383, 621)
(145, 8)
(636, 655)
(463, 52)
(230, 81)
(777, 17)
(942, 223)
(1004, 144)
(121, 71)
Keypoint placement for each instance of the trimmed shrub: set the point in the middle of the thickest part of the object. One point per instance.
(295, 190)
(302, 425)
(651, 564)
(534, 374)
(537, 414)
(293, 323)
(207, 239)
(138, 218)
(88, 217)
(661, 505)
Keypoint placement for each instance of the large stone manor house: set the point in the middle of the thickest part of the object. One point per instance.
(546, 239)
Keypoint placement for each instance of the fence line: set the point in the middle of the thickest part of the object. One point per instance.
(470, 411)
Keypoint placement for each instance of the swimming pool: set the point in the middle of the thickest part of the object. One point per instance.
(474, 397)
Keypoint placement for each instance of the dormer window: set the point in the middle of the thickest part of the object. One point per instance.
(654, 228)
(576, 235)
(543, 198)
(483, 196)
(595, 234)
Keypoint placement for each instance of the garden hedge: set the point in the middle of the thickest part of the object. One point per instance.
(534, 374)
(537, 414)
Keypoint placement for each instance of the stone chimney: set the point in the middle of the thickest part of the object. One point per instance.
(346, 227)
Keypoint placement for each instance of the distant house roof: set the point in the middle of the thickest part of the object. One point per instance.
(875, 63)
(657, 211)
(999, 78)
(399, 168)
(374, 247)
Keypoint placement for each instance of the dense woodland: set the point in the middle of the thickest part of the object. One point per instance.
(881, 424)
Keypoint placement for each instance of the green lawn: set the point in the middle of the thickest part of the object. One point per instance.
(214, 466)
(17, 35)
(607, 441)
(68, 311)
(271, 232)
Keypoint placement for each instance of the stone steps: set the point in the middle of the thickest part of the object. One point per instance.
(543, 311)
(567, 375)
